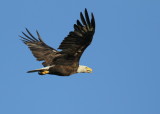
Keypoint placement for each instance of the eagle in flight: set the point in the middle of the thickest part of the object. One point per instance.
(66, 61)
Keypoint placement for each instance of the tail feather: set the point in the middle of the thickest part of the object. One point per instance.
(31, 71)
(41, 69)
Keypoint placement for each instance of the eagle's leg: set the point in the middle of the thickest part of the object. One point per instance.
(43, 72)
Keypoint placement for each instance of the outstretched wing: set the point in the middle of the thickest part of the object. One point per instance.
(39, 49)
(79, 39)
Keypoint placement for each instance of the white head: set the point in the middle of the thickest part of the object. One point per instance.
(84, 69)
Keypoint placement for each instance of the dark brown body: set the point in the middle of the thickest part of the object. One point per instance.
(63, 70)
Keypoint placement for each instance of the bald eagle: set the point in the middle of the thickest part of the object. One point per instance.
(66, 61)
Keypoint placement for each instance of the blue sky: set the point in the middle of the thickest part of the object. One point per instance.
(124, 56)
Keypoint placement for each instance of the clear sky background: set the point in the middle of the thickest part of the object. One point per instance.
(124, 56)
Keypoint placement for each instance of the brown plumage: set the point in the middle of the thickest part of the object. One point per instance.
(66, 61)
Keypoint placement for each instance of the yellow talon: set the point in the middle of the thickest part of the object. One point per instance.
(44, 72)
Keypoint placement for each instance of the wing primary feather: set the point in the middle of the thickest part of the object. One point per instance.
(77, 28)
(79, 39)
(24, 39)
(28, 37)
(39, 37)
(83, 19)
(79, 23)
(31, 35)
(87, 17)
(93, 21)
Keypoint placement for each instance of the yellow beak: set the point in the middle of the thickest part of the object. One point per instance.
(89, 70)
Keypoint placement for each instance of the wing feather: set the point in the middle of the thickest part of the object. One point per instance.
(39, 49)
(79, 23)
(87, 18)
(31, 35)
(83, 19)
(79, 39)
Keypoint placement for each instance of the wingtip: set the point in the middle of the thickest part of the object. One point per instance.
(81, 14)
(93, 20)
(26, 29)
(92, 15)
(39, 37)
(85, 9)
(19, 36)
(37, 33)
